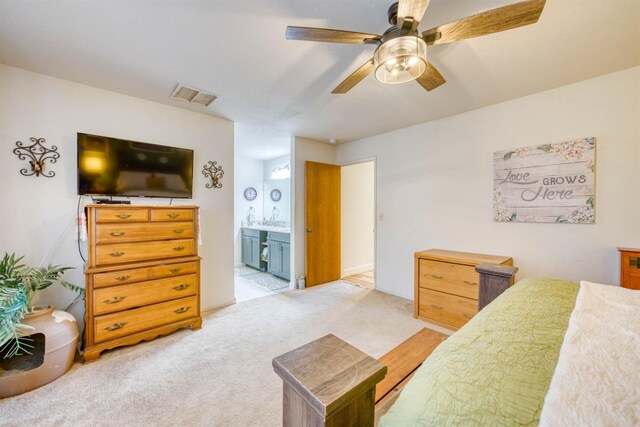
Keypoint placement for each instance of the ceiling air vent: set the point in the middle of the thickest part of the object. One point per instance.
(195, 96)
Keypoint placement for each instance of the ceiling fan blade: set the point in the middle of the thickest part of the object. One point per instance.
(330, 36)
(431, 78)
(411, 9)
(356, 77)
(489, 22)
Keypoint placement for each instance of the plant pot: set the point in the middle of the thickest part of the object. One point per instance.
(54, 340)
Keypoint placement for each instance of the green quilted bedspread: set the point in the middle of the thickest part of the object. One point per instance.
(496, 370)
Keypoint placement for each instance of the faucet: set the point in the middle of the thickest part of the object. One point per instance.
(251, 217)
(274, 213)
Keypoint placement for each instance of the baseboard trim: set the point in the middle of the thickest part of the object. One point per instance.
(211, 309)
(393, 292)
(355, 270)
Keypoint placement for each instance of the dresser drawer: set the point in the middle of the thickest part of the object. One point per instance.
(159, 215)
(101, 280)
(117, 298)
(110, 326)
(447, 310)
(121, 215)
(168, 270)
(129, 252)
(123, 233)
(451, 278)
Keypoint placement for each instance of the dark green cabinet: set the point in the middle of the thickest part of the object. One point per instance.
(252, 245)
(279, 254)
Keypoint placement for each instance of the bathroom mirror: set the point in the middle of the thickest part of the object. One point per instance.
(276, 200)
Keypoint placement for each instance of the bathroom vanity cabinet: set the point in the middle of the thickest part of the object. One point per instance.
(279, 254)
(253, 242)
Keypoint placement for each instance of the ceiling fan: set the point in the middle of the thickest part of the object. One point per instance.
(401, 53)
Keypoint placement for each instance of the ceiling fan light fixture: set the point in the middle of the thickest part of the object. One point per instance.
(400, 60)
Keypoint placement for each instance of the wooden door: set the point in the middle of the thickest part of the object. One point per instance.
(322, 223)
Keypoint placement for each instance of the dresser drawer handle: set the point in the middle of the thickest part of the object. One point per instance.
(116, 254)
(470, 283)
(437, 277)
(117, 233)
(467, 316)
(178, 230)
(123, 216)
(115, 326)
(173, 215)
(122, 278)
(114, 300)
(437, 307)
(181, 287)
(181, 310)
(175, 270)
(179, 248)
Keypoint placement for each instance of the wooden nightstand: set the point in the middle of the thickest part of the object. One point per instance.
(630, 268)
(446, 285)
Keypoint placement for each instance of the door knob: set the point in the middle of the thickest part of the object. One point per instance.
(308, 230)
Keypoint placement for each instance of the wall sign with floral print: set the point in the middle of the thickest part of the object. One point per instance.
(546, 183)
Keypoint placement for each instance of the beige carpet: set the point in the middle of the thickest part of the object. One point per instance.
(220, 375)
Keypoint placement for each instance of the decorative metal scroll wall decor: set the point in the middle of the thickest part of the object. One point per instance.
(211, 170)
(37, 154)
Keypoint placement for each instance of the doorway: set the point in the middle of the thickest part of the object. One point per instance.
(340, 223)
(358, 224)
(262, 213)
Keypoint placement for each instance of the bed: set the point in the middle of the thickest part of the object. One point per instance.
(546, 352)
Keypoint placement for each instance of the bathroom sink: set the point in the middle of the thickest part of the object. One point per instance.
(267, 228)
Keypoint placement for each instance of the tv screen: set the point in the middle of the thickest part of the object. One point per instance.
(118, 167)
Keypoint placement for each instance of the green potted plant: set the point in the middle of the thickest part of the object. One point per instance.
(21, 321)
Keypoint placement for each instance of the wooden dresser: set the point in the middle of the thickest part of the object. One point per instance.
(446, 285)
(630, 268)
(142, 275)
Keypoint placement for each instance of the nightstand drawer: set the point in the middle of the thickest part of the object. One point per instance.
(110, 326)
(125, 233)
(447, 310)
(121, 215)
(129, 252)
(117, 298)
(451, 278)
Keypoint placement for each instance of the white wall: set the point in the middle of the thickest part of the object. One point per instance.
(248, 173)
(284, 185)
(434, 183)
(37, 214)
(278, 162)
(304, 150)
(357, 211)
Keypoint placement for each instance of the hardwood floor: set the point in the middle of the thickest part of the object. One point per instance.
(365, 279)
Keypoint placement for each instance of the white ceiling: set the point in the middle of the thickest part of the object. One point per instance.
(237, 49)
(262, 143)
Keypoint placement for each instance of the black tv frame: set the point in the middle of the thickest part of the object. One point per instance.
(190, 196)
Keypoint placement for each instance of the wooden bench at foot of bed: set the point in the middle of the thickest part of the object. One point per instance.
(402, 362)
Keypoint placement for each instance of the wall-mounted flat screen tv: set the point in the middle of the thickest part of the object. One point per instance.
(118, 167)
